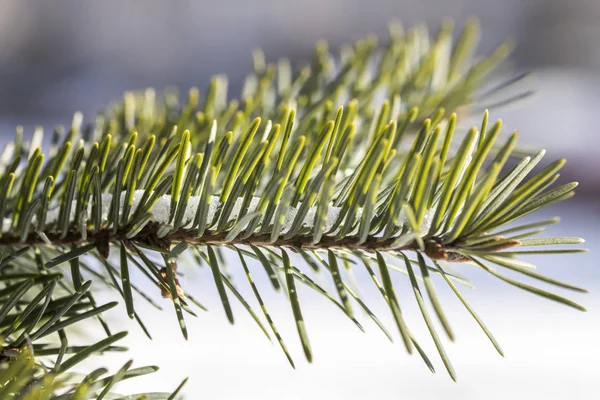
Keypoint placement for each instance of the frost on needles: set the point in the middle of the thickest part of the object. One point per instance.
(352, 162)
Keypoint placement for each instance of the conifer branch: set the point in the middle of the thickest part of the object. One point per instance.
(353, 162)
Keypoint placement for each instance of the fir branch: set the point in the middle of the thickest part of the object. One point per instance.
(352, 161)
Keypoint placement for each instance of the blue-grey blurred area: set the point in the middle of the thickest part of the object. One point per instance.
(57, 57)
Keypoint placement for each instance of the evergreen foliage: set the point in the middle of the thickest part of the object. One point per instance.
(353, 162)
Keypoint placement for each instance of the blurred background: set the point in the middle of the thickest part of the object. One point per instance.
(61, 56)
(58, 56)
